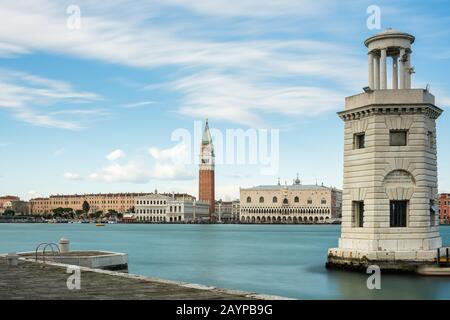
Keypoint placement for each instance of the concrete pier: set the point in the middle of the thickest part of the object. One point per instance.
(106, 260)
(38, 281)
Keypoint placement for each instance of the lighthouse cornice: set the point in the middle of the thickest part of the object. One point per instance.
(390, 109)
(400, 96)
(404, 101)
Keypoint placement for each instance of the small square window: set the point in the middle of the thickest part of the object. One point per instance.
(397, 137)
(359, 140)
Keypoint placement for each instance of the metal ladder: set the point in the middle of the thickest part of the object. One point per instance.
(46, 245)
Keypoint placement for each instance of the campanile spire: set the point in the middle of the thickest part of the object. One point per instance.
(206, 190)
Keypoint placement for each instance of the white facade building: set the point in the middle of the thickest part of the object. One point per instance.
(157, 208)
(390, 166)
(227, 211)
(294, 203)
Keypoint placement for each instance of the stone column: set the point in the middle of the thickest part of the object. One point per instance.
(371, 70)
(394, 72)
(383, 72)
(402, 69)
(377, 72)
(407, 72)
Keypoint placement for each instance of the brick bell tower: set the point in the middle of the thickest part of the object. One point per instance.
(206, 171)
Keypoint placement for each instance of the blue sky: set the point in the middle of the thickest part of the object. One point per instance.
(93, 109)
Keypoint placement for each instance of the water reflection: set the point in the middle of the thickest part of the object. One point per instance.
(285, 260)
(393, 286)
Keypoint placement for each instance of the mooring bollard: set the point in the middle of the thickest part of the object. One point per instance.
(64, 245)
(12, 259)
(438, 257)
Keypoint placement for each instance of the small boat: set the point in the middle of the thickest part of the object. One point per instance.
(100, 225)
(434, 271)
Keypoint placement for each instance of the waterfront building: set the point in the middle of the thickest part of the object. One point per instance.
(296, 203)
(7, 199)
(129, 218)
(119, 202)
(236, 211)
(444, 208)
(227, 211)
(168, 208)
(15, 204)
(206, 183)
(390, 168)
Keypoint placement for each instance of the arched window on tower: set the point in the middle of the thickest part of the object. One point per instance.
(323, 201)
(274, 199)
(261, 200)
(285, 201)
(296, 200)
(249, 199)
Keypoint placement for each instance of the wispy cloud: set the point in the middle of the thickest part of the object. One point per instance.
(253, 8)
(115, 155)
(138, 104)
(175, 153)
(237, 100)
(250, 76)
(72, 176)
(169, 164)
(28, 97)
(259, 66)
(132, 172)
(32, 194)
(59, 152)
(10, 50)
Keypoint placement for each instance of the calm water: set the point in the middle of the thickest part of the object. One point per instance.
(286, 260)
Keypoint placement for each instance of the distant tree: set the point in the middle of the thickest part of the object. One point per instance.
(112, 212)
(68, 212)
(86, 207)
(131, 209)
(9, 213)
(58, 212)
(47, 215)
(98, 214)
(79, 213)
(119, 215)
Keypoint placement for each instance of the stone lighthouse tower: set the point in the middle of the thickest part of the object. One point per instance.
(206, 171)
(389, 214)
